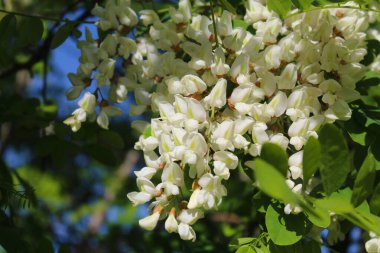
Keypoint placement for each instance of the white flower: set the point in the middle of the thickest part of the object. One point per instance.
(88, 102)
(212, 191)
(329, 56)
(194, 199)
(279, 103)
(173, 173)
(171, 223)
(139, 198)
(240, 69)
(106, 71)
(146, 172)
(259, 134)
(280, 140)
(108, 46)
(256, 11)
(295, 165)
(150, 222)
(373, 245)
(183, 14)
(105, 112)
(127, 47)
(186, 232)
(228, 158)
(224, 24)
(272, 56)
(241, 94)
(190, 216)
(193, 84)
(217, 96)
(288, 77)
(219, 68)
(221, 170)
(222, 135)
(148, 17)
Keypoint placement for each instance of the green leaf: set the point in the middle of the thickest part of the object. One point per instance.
(320, 217)
(275, 156)
(311, 158)
(284, 229)
(302, 4)
(62, 34)
(245, 249)
(335, 163)
(282, 7)
(31, 30)
(272, 182)
(364, 181)
(375, 201)
(245, 240)
(338, 202)
(228, 6)
(111, 139)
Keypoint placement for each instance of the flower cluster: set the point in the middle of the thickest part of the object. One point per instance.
(220, 90)
(97, 63)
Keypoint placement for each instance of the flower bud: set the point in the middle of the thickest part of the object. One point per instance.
(171, 224)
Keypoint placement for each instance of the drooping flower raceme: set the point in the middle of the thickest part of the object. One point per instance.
(214, 102)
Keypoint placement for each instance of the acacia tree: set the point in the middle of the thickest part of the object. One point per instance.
(264, 115)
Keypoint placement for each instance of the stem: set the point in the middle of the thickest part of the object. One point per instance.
(214, 23)
(45, 18)
(331, 7)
